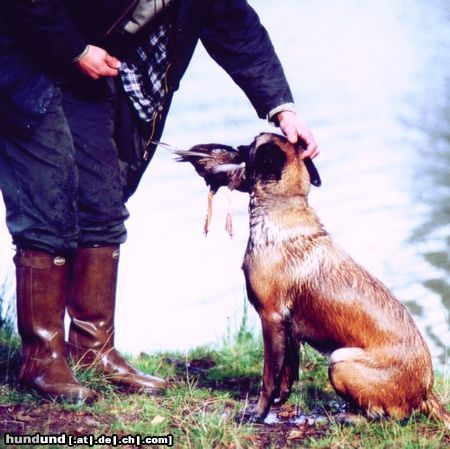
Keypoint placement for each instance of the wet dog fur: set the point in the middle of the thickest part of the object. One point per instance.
(305, 288)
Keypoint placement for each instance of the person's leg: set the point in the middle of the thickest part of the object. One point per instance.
(92, 309)
(39, 183)
(100, 208)
(42, 282)
(38, 179)
(95, 263)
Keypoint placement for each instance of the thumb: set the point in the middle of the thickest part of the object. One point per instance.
(290, 132)
(112, 62)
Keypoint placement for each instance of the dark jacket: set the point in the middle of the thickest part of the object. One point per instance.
(58, 30)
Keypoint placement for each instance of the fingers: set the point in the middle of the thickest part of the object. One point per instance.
(97, 63)
(312, 149)
(289, 129)
(295, 130)
(112, 62)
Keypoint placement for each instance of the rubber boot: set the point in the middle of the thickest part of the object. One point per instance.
(42, 281)
(91, 309)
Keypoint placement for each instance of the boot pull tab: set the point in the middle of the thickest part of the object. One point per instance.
(116, 254)
(37, 260)
(59, 261)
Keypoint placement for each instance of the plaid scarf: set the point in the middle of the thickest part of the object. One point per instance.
(144, 74)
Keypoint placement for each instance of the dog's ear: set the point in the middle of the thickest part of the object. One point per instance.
(269, 161)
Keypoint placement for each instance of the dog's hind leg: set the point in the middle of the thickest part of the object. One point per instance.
(433, 408)
(274, 335)
(372, 382)
(290, 370)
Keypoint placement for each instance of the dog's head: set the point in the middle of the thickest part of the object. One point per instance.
(269, 164)
(275, 166)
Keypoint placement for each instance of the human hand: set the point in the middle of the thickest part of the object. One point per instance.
(294, 129)
(97, 63)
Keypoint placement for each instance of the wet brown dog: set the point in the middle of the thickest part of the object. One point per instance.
(305, 288)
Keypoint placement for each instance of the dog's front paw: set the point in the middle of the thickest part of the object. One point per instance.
(282, 397)
(249, 417)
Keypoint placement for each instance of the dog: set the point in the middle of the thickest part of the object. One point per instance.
(305, 288)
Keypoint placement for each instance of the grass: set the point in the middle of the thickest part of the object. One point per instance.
(211, 388)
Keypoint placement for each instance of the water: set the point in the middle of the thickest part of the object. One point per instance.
(297, 420)
(372, 80)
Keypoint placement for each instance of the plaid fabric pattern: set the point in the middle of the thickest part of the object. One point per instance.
(143, 75)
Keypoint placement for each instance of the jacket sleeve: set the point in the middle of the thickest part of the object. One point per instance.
(46, 25)
(234, 37)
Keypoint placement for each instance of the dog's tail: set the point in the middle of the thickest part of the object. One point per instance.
(434, 409)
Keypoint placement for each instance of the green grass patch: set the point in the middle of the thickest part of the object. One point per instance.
(211, 386)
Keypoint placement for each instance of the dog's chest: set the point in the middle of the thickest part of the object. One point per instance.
(267, 233)
(264, 233)
(272, 255)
